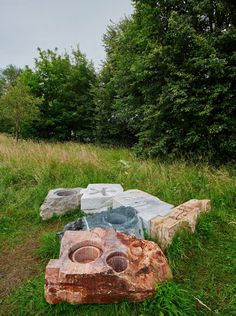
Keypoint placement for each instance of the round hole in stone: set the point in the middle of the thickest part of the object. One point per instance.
(117, 261)
(65, 192)
(116, 219)
(85, 254)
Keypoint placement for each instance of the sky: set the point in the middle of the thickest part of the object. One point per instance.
(28, 24)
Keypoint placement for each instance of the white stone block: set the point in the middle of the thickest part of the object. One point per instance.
(146, 205)
(99, 195)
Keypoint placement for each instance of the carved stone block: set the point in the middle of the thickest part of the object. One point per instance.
(99, 195)
(104, 266)
(122, 219)
(146, 205)
(60, 201)
(182, 216)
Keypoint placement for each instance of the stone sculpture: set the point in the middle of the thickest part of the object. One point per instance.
(99, 195)
(123, 219)
(104, 266)
(182, 216)
(60, 201)
(147, 205)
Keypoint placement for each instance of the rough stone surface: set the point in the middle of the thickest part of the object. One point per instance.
(123, 219)
(104, 266)
(99, 195)
(147, 205)
(184, 215)
(60, 201)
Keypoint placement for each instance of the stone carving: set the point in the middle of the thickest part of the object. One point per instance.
(184, 215)
(147, 205)
(99, 195)
(104, 266)
(60, 201)
(123, 219)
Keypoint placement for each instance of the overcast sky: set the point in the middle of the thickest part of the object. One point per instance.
(28, 24)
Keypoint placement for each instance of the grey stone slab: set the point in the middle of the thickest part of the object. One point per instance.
(60, 201)
(123, 219)
(99, 195)
(146, 205)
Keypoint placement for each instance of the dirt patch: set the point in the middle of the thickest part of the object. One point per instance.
(17, 264)
(20, 262)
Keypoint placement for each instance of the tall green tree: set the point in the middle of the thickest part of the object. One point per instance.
(191, 110)
(173, 78)
(65, 82)
(8, 77)
(113, 125)
(17, 107)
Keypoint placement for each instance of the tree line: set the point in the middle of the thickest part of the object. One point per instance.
(167, 86)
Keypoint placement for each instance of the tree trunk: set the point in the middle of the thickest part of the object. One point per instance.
(17, 135)
(17, 129)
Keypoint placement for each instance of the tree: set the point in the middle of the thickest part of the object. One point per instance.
(115, 120)
(17, 106)
(190, 104)
(8, 77)
(172, 78)
(65, 82)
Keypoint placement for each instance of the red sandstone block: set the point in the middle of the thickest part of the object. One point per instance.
(104, 266)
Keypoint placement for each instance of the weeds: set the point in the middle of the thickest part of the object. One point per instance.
(49, 246)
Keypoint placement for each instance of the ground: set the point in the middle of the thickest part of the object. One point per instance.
(203, 263)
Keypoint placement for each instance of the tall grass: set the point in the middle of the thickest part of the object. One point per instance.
(203, 263)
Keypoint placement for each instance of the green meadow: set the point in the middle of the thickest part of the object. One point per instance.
(203, 263)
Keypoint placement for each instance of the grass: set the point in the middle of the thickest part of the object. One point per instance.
(203, 263)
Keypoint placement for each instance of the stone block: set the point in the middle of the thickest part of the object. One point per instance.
(123, 219)
(182, 216)
(147, 205)
(60, 201)
(98, 196)
(104, 266)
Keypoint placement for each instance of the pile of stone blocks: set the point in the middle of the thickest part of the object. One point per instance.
(104, 257)
(159, 219)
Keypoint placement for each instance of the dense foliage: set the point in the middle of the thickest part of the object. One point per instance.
(170, 78)
(111, 107)
(18, 106)
(65, 82)
(167, 86)
(8, 78)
